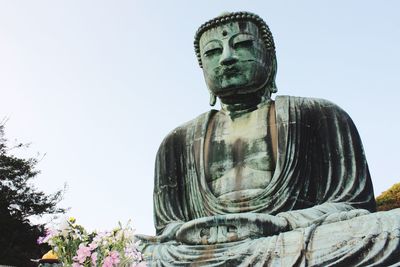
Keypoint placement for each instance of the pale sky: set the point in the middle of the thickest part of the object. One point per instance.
(96, 86)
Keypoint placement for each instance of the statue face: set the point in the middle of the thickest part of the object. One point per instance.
(234, 59)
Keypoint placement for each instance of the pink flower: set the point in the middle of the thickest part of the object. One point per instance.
(115, 256)
(49, 234)
(131, 252)
(93, 245)
(40, 240)
(112, 259)
(82, 253)
(107, 262)
(94, 258)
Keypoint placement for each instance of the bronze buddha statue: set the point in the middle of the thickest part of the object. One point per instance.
(263, 182)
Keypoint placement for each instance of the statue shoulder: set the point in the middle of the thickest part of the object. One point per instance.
(180, 133)
(306, 101)
(310, 104)
(312, 111)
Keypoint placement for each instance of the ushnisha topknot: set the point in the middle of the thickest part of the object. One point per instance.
(234, 16)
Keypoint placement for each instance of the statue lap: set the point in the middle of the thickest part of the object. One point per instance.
(344, 243)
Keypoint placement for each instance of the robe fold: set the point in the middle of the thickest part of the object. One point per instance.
(320, 170)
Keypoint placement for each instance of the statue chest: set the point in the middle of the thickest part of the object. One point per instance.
(238, 155)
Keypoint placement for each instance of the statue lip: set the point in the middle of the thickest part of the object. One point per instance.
(230, 70)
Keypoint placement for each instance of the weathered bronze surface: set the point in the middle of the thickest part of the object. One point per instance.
(264, 182)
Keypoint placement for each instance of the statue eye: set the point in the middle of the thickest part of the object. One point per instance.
(213, 52)
(243, 44)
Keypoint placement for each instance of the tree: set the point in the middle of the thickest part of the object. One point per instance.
(19, 200)
(390, 199)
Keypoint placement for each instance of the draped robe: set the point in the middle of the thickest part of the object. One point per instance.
(320, 170)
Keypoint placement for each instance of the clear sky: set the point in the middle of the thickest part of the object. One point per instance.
(96, 85)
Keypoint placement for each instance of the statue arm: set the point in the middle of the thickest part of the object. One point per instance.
(340, 168)
(168, 212)
(340, 186)
(321, 214)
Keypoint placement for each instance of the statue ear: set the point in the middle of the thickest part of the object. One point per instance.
(270, 87)
(274, 89)
(213, 99)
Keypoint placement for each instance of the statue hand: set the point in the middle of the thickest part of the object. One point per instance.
(167, 235)
(345, 215)
(230, 228)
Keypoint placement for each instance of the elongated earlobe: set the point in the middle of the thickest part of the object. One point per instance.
(274, 89)
(213, 99)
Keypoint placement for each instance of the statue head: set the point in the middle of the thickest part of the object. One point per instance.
(237, 54)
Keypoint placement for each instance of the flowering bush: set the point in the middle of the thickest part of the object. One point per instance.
(76, 247)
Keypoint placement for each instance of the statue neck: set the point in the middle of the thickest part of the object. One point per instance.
(242, 104)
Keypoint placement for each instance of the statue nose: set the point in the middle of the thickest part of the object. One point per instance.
(228, 57)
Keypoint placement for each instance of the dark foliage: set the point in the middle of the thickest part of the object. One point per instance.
(19, 199)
